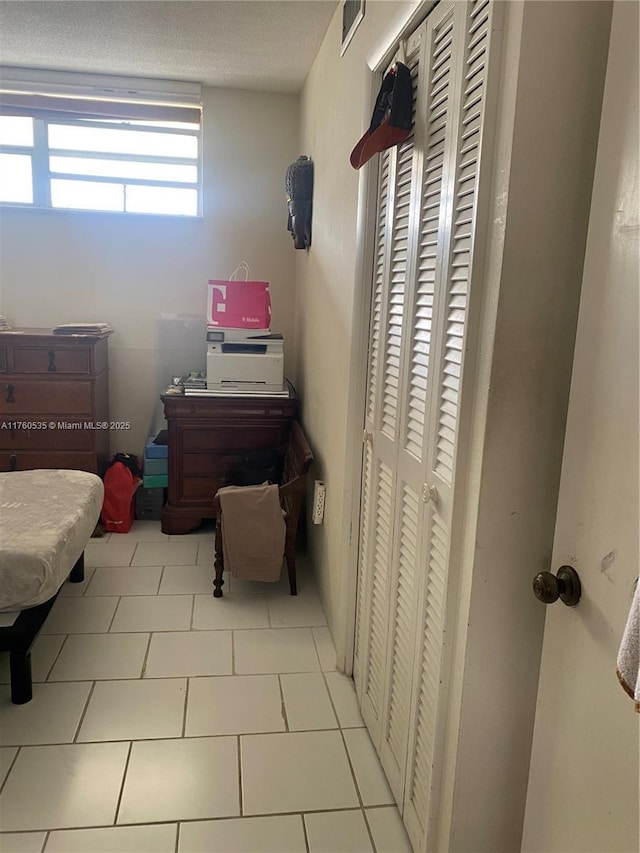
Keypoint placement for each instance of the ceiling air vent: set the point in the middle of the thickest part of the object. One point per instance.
(352, 14)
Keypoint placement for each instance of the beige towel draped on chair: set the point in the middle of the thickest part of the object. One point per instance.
(253, 531)
(290, 493)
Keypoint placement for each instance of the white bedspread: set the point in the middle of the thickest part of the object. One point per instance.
(46, 519)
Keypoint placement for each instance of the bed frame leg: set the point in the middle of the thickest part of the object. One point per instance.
(77, 572)
(20, 668)
(17, 639)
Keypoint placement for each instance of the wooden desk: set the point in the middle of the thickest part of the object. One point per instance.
(207, 437)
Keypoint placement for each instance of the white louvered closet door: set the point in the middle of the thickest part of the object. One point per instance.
(472, 29)
(420, 317)
(396, 225)
(434, 147)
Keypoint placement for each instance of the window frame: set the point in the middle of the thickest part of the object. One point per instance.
(42, 175)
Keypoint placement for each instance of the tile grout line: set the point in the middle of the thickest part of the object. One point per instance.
(198, 546)
(56, 658)
(84, 679)
(233, 654)
(283, 707)
(11, 766)
(47, 836)
(331, 700)
(124, 779)
(176, 847)
(193, 612)
(143, 669)
(315, 647)
(117, 678)
(305, 833)
(160, 579)
(85, 708)
(121, 594)
(316, 642)
(178, 821)
(371, 838)
(184, 709)
(353, 772)
(87, 582)
(113, 616)
(239, 758)
(379, 806)
(188, 738)
(168, 630)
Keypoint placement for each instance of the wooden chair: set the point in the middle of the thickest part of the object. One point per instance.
(297, 461)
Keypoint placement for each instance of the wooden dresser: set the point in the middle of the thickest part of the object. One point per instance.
(54, 401)
(207, 437)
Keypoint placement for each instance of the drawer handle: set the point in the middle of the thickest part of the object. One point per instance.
(10, 395)
(13, 462)
(52, 361)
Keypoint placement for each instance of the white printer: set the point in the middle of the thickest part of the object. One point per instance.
(245, 360)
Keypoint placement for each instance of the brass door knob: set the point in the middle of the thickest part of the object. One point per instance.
(565, 586)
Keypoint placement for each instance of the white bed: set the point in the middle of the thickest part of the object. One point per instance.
(46, 520)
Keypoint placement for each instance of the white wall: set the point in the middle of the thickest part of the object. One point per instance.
(128, 270)
(335, 111)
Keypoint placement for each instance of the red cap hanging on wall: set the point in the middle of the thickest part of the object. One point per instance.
(391, 121)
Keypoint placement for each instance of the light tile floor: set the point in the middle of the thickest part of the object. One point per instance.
(166, 721)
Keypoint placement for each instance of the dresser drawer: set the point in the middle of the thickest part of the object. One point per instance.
(18, 435)
(226, 410)
(51, 360)
(241, 436)
(201, 489)
(207, 464)
(23, 397)
(25, 460)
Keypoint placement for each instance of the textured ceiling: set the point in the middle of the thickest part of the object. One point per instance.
(250, 44)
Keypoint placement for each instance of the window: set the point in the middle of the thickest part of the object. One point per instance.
(94, 146)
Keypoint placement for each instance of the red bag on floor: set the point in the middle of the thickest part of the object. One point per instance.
(120, 484)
